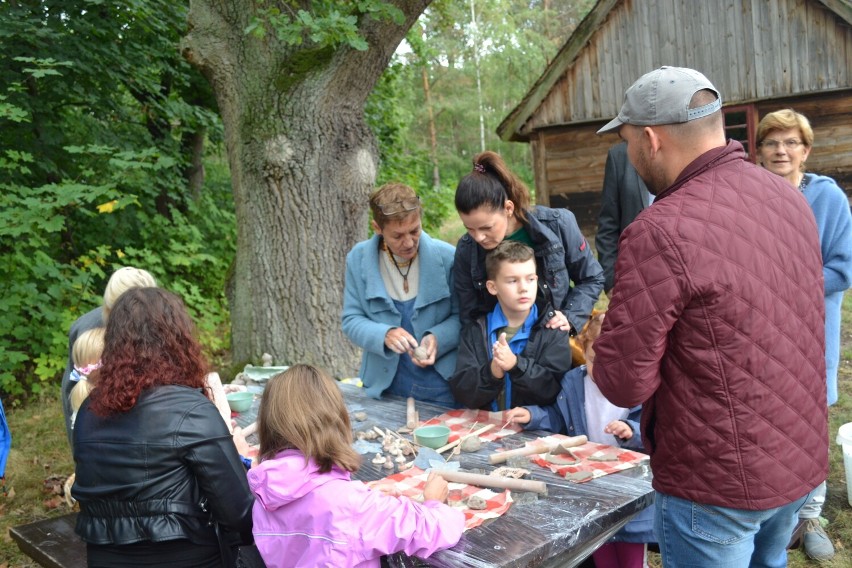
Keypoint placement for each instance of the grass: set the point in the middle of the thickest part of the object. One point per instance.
(40, 456)
(40, 459)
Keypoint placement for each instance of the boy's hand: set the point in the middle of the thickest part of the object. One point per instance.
(518, 415)
(502, 354)
(436, 488)
(619, 429)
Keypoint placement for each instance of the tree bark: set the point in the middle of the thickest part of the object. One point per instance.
(303, 163)
(433, 132)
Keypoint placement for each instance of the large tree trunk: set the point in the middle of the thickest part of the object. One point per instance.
(303, 162)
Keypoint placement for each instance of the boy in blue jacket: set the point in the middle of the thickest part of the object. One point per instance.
(581, 409)
(508, 357)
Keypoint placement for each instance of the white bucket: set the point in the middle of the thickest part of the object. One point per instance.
(844, 438)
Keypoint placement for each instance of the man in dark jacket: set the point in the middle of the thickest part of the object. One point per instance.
(623, 197)
(716, 325)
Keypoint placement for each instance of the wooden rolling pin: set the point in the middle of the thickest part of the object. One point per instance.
(479, 432)
(410, 414)
(539, 448)
(492, 481)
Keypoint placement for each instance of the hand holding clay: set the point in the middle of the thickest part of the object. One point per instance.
(619, 429)
(242, 445)
(399, 341)
(436, 488)
(503, 356)
(425, 354)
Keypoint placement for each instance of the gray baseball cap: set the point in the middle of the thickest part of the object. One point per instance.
(662, 97)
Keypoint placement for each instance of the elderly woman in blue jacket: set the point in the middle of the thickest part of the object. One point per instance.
(398, 304)
(784, 140)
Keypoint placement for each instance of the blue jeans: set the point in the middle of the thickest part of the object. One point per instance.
(696, 535)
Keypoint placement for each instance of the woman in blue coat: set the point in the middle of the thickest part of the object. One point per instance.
(398, 304)
(784, 140)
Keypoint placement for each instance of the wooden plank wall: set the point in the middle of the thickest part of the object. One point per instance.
(574, 158)
(830, 116)
(751, 50)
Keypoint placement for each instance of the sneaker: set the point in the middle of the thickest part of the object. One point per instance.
(817, 544)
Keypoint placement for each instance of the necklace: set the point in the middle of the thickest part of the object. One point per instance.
(399, 269)
(802, 183)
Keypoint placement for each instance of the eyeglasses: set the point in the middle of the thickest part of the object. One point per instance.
(400, 206)
(790, 144)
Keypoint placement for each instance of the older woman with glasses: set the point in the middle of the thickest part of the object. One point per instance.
(784, 140)
(398, 304)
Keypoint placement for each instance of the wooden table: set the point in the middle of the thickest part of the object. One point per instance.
(560, 529)
(51, 542)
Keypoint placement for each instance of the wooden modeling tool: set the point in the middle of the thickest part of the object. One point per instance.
(479, 432)
(539, 448)
(250, 429)
(410, 414)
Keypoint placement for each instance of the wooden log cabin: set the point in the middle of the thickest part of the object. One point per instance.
(763, 55)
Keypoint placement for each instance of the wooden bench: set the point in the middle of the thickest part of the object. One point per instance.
(51, 542)
(54, 544)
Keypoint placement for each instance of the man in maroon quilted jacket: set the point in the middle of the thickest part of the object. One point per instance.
(716, 326)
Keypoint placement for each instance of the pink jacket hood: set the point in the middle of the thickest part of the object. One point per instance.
(304, 518)
(288, 478)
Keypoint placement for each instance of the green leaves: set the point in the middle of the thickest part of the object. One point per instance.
(326, 24)
(98, 112)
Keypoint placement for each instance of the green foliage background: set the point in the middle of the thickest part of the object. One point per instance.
(98, 114)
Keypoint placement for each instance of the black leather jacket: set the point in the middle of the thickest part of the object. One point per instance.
(160, 472)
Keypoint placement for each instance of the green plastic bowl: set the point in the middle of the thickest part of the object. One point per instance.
(240, 401)
(433, 436)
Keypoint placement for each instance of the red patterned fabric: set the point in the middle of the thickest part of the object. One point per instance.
(464, 421)
(410, 483)
(586, 453)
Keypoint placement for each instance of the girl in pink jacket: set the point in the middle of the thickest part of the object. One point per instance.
(308, 511)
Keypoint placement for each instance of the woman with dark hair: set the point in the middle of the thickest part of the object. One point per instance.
(158, 478)
(494, 204)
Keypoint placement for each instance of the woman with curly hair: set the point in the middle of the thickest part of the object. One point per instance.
(158, 478)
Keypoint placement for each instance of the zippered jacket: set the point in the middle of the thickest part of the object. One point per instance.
(717, 326)
(304, 518)
(562, 257)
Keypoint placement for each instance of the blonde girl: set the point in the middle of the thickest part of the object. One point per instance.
(86, 355)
